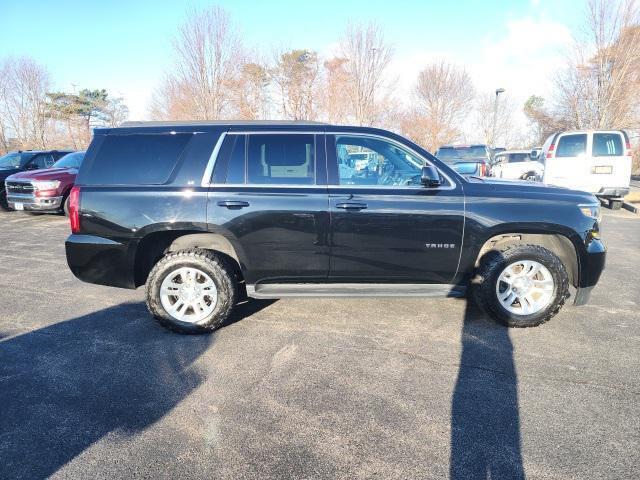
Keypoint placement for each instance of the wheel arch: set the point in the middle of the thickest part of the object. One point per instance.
(153, 246)
(558, 243)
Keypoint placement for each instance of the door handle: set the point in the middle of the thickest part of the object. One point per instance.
(233, 204)
(351, 206)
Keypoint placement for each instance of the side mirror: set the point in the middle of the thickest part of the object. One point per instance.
(534, 154)
(430, 176)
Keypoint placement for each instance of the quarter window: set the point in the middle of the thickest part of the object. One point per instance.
(607, 145)
(137, 159)
(372, 161)
(281, 159)
(572, 145)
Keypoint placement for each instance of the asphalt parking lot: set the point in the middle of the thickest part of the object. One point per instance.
(92, 387)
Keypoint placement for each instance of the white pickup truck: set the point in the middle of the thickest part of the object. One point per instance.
(516, 165)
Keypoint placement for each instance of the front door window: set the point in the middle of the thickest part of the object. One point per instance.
(372, 161)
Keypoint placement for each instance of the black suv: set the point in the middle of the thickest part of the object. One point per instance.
(14, 162)
(204, 212)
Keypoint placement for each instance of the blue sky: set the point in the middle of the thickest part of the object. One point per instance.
(125, 46)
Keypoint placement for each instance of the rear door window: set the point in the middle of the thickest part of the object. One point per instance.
(137, 159)
(572, 145)
(607, 145)
(236, 171)
(281, 159)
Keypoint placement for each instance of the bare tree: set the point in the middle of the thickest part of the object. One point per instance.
(444, 96)
(23, 111)
(542, 121)
(332, 101)
(251, 97)
(368, 57)
(507, 132)
(198, 85)
(296, 76)
(600, 88)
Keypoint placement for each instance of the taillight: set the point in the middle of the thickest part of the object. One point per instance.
(74, 209)
(483, 169)
(551, 151)
(629, 149)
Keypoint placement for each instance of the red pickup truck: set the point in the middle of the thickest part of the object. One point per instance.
(45, 190)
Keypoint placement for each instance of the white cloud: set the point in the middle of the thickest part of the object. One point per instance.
(521, 57)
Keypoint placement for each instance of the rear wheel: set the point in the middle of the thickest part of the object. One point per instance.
(65, 206)
(191, 291)
(522, 285)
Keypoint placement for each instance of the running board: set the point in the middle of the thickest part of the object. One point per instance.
(281, 290)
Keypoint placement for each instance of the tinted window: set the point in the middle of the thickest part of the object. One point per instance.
(139, 159)
(371, 161)
(10, 160)
(44, 160)
(572, 145)
(456, 154)
(607, 145)
(281, 159)
(519, 157)
(71, 160)
(235, 174)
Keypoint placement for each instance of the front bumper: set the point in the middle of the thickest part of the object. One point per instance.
(591, 267)
(31, 202)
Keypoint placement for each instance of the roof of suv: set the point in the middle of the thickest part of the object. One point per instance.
(217, 122)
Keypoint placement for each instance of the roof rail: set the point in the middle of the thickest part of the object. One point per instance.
(217, 122)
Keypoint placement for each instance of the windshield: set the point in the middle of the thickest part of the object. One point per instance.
(71, 160)
(10, 160)
(452, 154)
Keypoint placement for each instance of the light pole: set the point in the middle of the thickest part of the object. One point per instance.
(495, 117)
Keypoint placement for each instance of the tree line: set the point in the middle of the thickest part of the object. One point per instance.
(33, 116)
(216, 76)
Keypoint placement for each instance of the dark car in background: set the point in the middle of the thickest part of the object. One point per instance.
(44, 190)
(466, 159)
(14, 162)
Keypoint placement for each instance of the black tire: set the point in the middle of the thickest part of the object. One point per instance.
(221, 274)
(492, 265)
(4, 204)
(65, 206)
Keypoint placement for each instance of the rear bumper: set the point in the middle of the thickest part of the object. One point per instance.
(31, 202)
(99, 260)
(612, 192)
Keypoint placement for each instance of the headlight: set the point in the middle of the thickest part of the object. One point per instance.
(592, 211)
(46, 185)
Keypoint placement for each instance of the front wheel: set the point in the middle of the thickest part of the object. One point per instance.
(191, 291)
(522, 285)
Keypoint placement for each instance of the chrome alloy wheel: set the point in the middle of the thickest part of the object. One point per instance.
(525, 287)
(188, 294)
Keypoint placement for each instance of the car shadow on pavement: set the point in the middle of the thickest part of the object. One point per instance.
(65, 386)
(485, 420)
